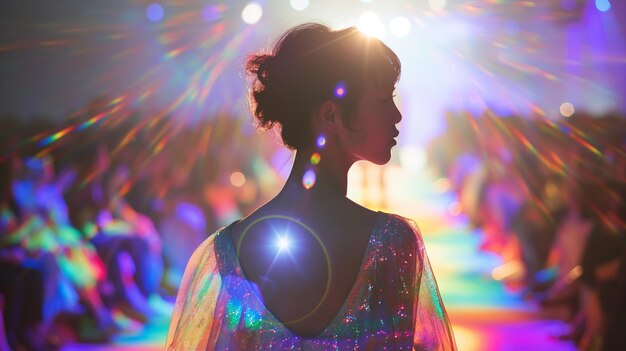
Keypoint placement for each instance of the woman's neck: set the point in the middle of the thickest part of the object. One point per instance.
(317, 181)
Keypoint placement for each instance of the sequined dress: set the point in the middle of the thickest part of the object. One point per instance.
(393, 305)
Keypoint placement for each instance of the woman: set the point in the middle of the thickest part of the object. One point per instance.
(310, 269)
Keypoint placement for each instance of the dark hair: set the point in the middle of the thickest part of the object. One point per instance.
(303, 70)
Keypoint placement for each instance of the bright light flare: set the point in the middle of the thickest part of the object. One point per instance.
(283, 243)
(252, 13)
(299, 5)
(400, 27)
(370, 25)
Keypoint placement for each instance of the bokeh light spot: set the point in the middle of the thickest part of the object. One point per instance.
(308, 180)
(252, 13)
(437, 5)
(370, 25)
(315, 158)
(566, 109)
(154, 12)
(299, 5)
(321, 141)
(603, 5)
(400, 27)
(340, 89)
(237, 179)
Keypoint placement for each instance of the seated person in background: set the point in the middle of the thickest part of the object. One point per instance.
(32, 288)
(132, 282)
(601, 262)
(39, 196)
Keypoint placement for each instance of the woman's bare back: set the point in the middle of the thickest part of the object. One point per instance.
(303, 264)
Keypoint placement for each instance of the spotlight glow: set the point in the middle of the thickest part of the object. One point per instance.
(299, 5)
(400, 27)
(566, 109)
(154, 12)
(370, 25)
(283, 243)
(252, 13)
(308, 180)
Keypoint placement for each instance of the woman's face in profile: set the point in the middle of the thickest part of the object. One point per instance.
(373, 125)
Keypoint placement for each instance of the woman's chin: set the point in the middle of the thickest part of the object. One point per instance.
(381, 159)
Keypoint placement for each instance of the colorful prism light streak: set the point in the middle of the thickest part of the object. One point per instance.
(56, 136)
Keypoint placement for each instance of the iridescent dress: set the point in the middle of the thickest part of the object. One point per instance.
(393, 305)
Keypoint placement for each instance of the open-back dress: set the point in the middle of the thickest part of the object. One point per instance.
(394, 303)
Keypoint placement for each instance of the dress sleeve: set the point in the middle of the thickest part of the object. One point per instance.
(192, 319)
(420, 316)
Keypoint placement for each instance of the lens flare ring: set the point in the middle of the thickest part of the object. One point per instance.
(319, 240)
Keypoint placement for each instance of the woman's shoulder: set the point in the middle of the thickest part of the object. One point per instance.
(400, 225)
(393, 225)
(402, 232)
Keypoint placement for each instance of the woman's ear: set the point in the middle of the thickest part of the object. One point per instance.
(329, 117)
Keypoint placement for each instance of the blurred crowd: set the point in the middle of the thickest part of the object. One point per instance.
(98, 217)
(548, 197)
(97, 223)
